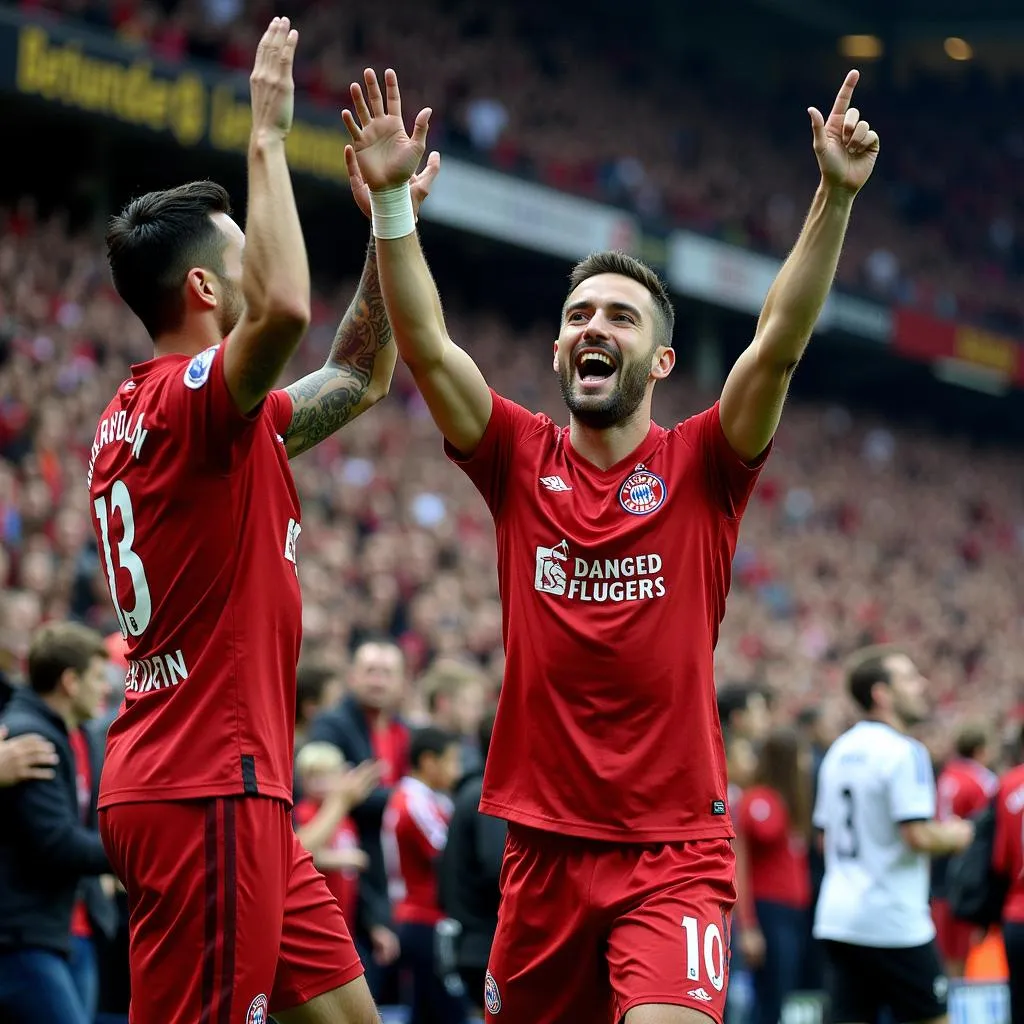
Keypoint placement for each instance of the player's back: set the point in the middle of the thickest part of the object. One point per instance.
(196, 518)
(875, 889)
(964, 788)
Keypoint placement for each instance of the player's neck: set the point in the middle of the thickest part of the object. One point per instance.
(606, 446)
(195, 335)
(893, 721)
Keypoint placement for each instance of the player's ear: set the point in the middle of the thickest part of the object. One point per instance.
(662, 361)
(201, 289)
(554, 360)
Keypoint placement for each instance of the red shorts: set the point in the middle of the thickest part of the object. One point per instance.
(954, 937)
(588, 930)
(229, 919)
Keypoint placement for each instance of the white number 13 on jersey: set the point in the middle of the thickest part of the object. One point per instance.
(133, 622)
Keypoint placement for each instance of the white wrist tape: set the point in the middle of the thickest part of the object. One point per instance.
(391, 210)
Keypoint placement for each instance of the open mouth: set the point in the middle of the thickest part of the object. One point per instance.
(594, 366)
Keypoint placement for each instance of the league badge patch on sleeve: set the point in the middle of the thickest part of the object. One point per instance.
(492, 997)
(198, 370)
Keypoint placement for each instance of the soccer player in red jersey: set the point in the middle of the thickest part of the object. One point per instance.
(964, 787)
(1008, 861)
(197, 519)
(414, 835)
(615, 537)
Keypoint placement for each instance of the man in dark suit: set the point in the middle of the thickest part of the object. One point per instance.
(365, 726)
(47, 849)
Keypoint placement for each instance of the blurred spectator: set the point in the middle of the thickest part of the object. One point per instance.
(468, 876)
(744, 711)
(415, 834)
(1008, 861)
(965, 786)
(46, 849)
(455, 694)
(775, 821)
(365, 726)
(318, 688)
(322, 819)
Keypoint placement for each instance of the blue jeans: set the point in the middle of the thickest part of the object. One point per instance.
(36, 987)
(85, 974)
(785, 931)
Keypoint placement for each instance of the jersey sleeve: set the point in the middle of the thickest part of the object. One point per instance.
(730, 480)
(199, 406)
(488, 466)
(1007, 834)
(423, 827)
(912, 785)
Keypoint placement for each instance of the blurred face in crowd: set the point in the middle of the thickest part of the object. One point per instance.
(905, 696)
(741, 761)
(88, 691)
(463, 710)
(230, 300)
(441, 771)
(606, 355)
(755, 720)
(377, 678)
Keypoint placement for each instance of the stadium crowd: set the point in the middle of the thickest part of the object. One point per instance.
(507, 89)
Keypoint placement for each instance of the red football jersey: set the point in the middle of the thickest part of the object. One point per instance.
(1008, 848)
(965, 786)
(415, 831)
(196, 517)
(777, 869)
(613, 585)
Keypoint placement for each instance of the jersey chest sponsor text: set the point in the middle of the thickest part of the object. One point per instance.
(576, 574)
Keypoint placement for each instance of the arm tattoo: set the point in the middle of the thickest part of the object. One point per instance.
(324, 401)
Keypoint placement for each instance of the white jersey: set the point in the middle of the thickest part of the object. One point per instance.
(875, 889)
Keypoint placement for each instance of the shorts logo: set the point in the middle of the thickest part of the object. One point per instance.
(492, 997)
(642, 492)
(549, 576)
(258, 1011)
(198, 370)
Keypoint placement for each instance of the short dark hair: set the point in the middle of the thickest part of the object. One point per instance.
(156, 240)
(311, 678)
(615, 262)
(734, 697)
(971, 739)
(58, 646)
(866, 668)
(429, 740)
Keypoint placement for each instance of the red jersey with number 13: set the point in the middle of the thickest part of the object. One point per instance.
(196, 518)
(613, 585)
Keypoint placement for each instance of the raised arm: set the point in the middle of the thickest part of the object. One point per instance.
(754, 393)
(450, 382)
(275, 272)
(358, 371)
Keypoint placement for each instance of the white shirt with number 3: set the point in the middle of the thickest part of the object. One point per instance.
(875, 889)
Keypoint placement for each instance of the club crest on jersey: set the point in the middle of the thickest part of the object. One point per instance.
(642, 492)
(198, 370)
(492, 997)
(258, 1011)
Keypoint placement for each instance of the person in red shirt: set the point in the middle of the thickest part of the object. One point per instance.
(774, 822)
(965, 786)
(615, 540)
(197, 521)
(1008, 861)
(322, 819)
(415, 833)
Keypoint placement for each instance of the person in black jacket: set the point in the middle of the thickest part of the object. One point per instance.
(365, 726)
(45, 849)
(468, 877)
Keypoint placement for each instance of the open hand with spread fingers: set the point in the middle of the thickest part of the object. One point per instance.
(845, 146)
(386, 155)
(420, 184)
(271, 84)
